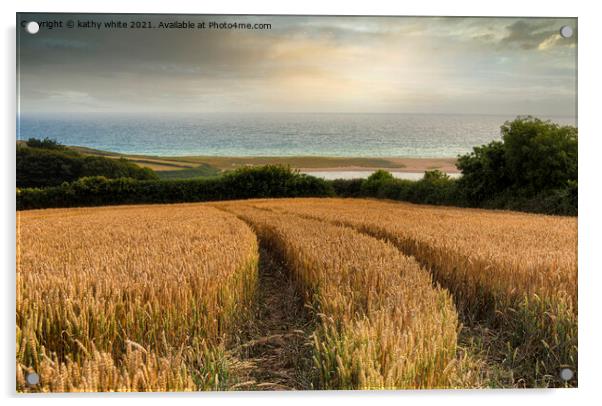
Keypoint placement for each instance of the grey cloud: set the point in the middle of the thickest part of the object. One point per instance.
(227, 69)
(532, 34)
(62, 43)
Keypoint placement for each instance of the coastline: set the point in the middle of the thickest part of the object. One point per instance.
(306, 164)
(407, 165)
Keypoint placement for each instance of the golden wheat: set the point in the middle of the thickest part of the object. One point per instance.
(383, 324)
(129, 298)
(519, 269)
(145, 298)
(524, 253)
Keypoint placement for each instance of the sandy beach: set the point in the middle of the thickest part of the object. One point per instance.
(306, 164)
(409, 165)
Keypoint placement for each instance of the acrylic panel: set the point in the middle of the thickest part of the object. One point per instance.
(295, 202)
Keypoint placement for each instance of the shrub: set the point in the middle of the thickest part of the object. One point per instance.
(114, 168)
(562, 201)
(46, 167)
(268, 181)
(273, 181)
(46, 143)
(374, 182)
(435, 187)
(41, 167)
(533, 156)
(484, 172)
(396, 189)
(347, 187)
(540, 155)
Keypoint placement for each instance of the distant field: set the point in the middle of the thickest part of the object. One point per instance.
(306, 163)
(294, 294)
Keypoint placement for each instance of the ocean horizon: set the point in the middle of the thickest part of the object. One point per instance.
(274, 134)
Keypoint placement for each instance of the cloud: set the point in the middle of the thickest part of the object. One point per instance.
(354, 64)
(62, 43)
(536, 34)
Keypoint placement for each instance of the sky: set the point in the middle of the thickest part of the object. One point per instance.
(506, 66)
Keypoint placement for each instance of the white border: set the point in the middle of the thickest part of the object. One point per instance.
(589, 198)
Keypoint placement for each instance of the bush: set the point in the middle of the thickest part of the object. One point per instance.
(273, 181)
(347, 187)
(484, 172)
(268, 181)
(114, 168)
(561, 201)
(46, 143)
(539, 155)
(438, 188)
(374, 182)
(396, 189)
(41, 167)
(435, 187)
(534, 156)
(46, 167)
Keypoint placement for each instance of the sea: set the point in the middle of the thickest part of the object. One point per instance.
(274, 134)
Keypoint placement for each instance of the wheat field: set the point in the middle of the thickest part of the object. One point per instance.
(133, 298)
(382, 323)
(152, 298)
(517, 271)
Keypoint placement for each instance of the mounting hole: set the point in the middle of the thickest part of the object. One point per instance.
(566, 31)
(32, 27)
(566, 374)
(32, 378)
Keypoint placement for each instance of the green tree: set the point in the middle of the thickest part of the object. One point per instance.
(273, 181)
(372, 184)
(484, 172)
(42, 167)
(38, 167)
(46, 143)
(534, 156)
(435, 187)
(540, 155)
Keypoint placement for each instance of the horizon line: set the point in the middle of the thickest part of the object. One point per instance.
(294, 112)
